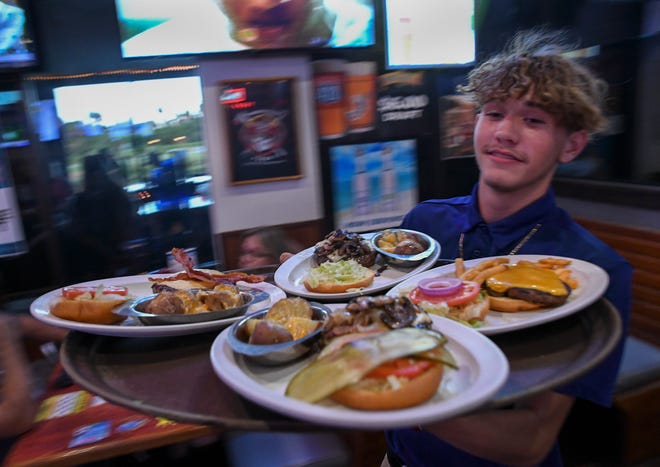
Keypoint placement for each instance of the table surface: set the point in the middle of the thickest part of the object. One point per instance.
(144, 374)
(74, 427)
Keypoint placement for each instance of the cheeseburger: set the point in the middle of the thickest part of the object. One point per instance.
(524, 287)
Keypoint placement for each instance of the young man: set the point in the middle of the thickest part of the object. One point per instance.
(536, 109)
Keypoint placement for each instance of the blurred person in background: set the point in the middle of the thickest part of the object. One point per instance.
(101, 220)
(262, 247)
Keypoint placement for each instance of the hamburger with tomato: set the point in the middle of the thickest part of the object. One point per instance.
(452, 297)
(380, 353)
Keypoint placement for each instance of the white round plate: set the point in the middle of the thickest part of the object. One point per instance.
(139, 286)
(592, 283)
(483, 370)
(290, 275)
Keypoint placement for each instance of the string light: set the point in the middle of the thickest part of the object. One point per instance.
(124, 71)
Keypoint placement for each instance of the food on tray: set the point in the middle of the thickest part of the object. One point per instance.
(370, 315)
(384, 371)
(286, 320)
(90, 304)
(341, 245)
(401, 242)
(338, 277)
(168, 302)
(191, 278)
(454, 298)
(525, 285)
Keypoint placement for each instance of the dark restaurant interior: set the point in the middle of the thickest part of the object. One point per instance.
(151, 130)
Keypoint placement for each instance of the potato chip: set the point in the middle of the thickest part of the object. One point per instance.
(284, 309)
(300, 327)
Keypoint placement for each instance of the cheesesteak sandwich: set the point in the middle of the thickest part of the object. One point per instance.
(343, 245)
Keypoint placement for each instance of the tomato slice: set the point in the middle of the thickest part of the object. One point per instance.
(466, 294)
(73, 291)
(403, 367)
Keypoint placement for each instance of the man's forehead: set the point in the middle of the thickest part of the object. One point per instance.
(526, 101)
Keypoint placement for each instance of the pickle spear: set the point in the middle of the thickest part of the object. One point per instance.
(354, 360)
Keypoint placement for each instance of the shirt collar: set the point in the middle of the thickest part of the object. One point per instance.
(517, 225)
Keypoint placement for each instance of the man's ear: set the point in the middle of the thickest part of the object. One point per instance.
(575, 143)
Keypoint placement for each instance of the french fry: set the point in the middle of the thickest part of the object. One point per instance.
(490, 263)
(468, 275)
(460, 267)
(555, 261)
(471, 273)
(565, 276)
(483, 275)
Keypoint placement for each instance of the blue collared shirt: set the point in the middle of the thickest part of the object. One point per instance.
(558, 235)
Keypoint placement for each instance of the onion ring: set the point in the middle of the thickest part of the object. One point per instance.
(440, 286)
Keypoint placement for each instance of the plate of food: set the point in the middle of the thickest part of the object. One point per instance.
(506, 293)
(102, 306)
(461, 370)
(346, 264)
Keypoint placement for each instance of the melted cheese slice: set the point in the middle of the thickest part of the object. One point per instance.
(528, 277)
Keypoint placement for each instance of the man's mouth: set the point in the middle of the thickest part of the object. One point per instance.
(502, 154)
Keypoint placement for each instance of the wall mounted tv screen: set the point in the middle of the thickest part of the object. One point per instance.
(429, 33)
(151, 28)
(17, 43)
(13, 120)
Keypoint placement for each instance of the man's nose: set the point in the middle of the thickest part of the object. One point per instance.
(507, 130)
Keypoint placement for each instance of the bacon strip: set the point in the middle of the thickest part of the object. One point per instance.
(181, 257)
(190, 272)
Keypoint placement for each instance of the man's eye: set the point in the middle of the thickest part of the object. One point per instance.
(493, 114)
(535, 121)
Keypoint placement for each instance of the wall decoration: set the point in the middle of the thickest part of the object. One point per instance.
(261, 128)
(373, 184)
(456, 126)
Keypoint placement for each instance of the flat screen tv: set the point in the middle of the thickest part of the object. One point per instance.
(17, 40)
(13, 120)
(373, 184)
(429, 33)
(149, 28)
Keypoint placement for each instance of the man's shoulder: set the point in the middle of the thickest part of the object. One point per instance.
(434, 204)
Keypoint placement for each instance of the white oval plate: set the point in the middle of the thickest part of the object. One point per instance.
(592, 283)
(140, 286)
(483, 370)
(290, 275)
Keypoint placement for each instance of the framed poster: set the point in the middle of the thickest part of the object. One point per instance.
(261, 129)
(457, 116)
(374, 184)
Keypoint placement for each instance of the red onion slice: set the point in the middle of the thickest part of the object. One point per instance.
(440, 286)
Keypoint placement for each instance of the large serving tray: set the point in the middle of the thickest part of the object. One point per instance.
(174, 378)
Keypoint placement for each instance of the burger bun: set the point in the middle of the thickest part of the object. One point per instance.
(411, 392)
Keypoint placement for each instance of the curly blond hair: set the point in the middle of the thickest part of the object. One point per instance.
(536, 61)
